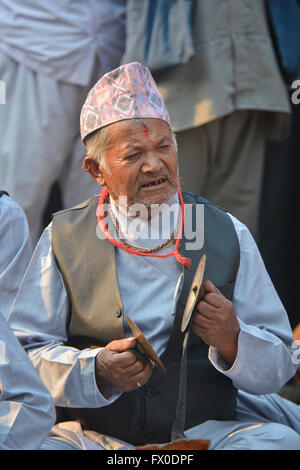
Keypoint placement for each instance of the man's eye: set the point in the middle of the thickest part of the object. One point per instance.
(133, 156)
(164, 147)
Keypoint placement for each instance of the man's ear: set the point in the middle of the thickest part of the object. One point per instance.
(92, 167)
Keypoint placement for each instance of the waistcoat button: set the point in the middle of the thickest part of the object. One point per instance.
(149, 393)
(149, 437)
(118, 312)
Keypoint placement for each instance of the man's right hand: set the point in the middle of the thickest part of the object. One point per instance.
(116, 365)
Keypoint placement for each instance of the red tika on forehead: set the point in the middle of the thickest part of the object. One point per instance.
(146, 130)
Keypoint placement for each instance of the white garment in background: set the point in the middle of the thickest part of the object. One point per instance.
(46, 83)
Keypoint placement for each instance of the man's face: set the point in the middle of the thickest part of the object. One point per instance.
(142, 162)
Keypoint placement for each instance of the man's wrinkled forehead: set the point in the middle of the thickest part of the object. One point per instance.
(136, 133)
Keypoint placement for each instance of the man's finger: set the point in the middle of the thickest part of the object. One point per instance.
(125, 359)
(210, 287)
(210, 303)
(203, 323)
(121, 345)
(143, 376)
(214, 299)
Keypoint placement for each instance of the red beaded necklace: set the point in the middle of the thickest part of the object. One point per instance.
(101, 214)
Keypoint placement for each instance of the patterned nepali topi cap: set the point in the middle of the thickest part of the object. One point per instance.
(127, 92)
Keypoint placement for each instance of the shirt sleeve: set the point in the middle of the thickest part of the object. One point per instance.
(15, 252)
(26, 408)
(265, 345)
(39, 318)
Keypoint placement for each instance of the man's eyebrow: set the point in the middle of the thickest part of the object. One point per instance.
(132, 146)
(136, 145)
(164, 139)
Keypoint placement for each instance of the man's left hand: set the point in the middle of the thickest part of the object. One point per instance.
(217, 323)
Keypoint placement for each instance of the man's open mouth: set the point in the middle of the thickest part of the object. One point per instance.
(155, 182)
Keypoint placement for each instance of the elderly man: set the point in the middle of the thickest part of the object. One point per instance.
(111, 257)
(26, 407)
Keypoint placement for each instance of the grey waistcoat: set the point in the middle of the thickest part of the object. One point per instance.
(88, 268)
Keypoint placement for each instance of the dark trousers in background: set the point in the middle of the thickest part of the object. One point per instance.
(278, 238)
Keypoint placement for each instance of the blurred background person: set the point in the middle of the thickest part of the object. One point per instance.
(27, 412)
(15, 251)
(278, 227)
(278, 236)
(26, 408)
(51, 53)
(224, 92)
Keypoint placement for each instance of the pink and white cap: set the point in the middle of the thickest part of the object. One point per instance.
(127, 92)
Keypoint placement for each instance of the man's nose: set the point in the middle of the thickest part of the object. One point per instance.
(152, 163)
